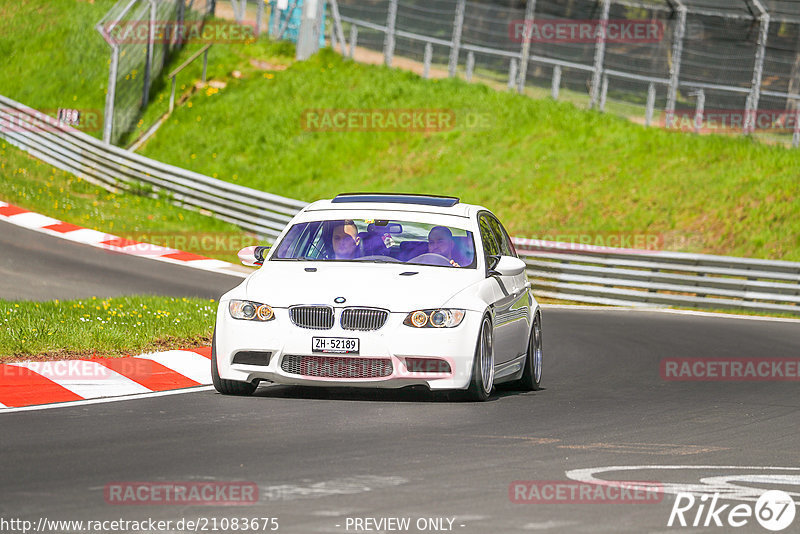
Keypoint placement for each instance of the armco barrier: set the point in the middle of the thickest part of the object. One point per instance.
(601, 275)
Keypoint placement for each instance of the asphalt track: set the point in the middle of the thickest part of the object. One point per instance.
(37, 266)
(320, 457)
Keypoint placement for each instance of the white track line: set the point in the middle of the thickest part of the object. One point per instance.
(667, 310)
(106, 400)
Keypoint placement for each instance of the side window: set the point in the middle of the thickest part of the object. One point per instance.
(506, 246)
(490, 246)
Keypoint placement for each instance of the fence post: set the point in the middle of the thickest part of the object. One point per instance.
(259, 17)
(148, 61)
(651, 102)
(675, 67)
(603, 93)
(426, 63)
(554, 88)
(337, 25)
(108, 119)
(458, 26)
(796, 134)
(353, 40)
(275, 14)
(758, 69)
(388, 42)
(599, 54)
(699, 110)
(527, 32)
(512, 74)
(470, 65)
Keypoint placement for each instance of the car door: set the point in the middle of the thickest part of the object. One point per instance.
(519, 315)
(504, 342)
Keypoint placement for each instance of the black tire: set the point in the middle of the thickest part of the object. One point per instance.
(532, 376)
(227, 387)
(480, 387)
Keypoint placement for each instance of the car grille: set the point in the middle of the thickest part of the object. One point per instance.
(315, 317)
(337, 366)
(363, 318)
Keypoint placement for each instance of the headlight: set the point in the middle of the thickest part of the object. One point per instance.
(436, 318)
(250, 311)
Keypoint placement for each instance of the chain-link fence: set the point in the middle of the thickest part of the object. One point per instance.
(142, 35)
(728, 66)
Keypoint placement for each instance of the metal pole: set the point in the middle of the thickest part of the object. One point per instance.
(275, 14)
(172, 95)
(455, 47)
(699, 110)
(148, 62)
(337, 25)
(259, 17)
(796, 134)
(426, 63)
(758, 69)
(599, 54)
(675, 67)
(556, 82)
(470, 65)
(512, 74)
(388, 42)
(530, 9)
(353, 40)
(205, 63)
(108, 120)
(651, 102)
(603, 93)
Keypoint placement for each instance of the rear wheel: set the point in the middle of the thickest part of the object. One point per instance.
(480, 387)
(532, 376)
(227, 387)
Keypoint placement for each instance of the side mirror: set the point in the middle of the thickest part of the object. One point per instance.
(253, 256)
(507, 266)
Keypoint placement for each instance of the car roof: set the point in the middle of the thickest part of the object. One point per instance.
(396, 202)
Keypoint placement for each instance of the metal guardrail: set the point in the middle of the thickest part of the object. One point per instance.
(115, 168)
(601, 275)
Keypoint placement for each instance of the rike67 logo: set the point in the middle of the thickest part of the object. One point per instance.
(774, 511)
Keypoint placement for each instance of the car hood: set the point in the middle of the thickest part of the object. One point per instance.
(391, 286)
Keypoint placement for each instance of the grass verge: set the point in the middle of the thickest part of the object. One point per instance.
(102, 327)
(544, 166)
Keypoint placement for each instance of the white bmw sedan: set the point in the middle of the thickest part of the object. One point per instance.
(382, 291)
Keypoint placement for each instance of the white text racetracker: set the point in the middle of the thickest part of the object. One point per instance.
(400, 524)
(334, 344)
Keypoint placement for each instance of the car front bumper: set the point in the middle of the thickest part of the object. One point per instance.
(394, 342)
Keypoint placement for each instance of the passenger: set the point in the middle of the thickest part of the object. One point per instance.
(345, 240)
(440, 241)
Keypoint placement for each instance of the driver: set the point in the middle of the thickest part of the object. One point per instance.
(440, 241)
(345, 240)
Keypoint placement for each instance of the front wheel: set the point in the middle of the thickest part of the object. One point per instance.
(480, 387)
(227, 387)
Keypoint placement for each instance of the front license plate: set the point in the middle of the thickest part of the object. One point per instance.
(341, 345)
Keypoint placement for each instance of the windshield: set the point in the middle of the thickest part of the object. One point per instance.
(381, 241)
